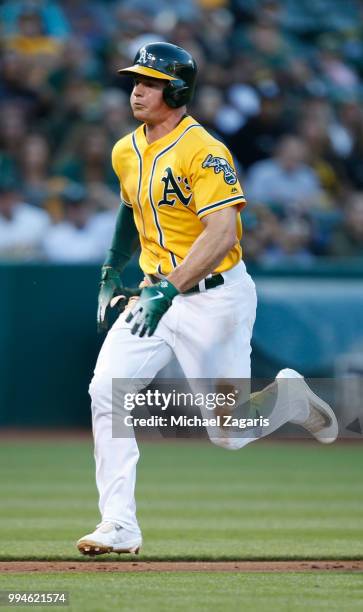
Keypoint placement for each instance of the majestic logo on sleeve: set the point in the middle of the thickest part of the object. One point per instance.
(221, 165)
(174, 187)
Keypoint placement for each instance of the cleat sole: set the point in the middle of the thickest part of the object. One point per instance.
(134, 550)
(87, 547)
(92, 549)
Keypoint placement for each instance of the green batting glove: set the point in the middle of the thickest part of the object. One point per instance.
(153, 303)
(111, 286)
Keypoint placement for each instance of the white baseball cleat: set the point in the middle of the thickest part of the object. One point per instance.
(320, 420)
(109, 537)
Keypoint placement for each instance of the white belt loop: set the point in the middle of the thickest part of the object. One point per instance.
(201, 285)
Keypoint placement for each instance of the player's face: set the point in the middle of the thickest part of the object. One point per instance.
(147, 100)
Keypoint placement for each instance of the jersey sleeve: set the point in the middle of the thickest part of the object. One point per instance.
(214, 181)
(116, 160)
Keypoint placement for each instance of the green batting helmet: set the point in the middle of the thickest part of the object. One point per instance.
(161, 60)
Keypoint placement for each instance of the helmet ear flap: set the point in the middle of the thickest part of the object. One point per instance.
(176, 93)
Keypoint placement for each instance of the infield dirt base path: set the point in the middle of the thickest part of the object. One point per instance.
(8, 567)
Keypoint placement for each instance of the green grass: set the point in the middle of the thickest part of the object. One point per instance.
(269, 501)
(195, 501)
(209, 591)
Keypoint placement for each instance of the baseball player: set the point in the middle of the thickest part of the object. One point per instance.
(180, 200)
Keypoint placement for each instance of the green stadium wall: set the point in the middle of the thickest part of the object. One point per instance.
(49, 342)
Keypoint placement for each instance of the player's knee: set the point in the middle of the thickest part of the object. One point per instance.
(107, 392)
(100, 390)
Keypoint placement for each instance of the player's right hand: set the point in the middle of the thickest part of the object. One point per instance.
(111, 286)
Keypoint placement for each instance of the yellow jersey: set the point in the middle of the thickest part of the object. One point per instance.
(171, 184)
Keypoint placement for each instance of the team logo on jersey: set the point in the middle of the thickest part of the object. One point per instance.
(173, 187)
(221, 165)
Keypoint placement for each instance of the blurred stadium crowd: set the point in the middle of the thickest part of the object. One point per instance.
(280, 82)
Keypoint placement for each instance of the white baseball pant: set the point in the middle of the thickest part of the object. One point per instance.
(210, 335)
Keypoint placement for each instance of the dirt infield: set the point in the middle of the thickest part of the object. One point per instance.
(8, 567)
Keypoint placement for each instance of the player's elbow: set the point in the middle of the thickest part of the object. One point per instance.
(226, 241)
(229, 239)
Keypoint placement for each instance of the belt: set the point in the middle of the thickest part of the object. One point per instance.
(208, 283)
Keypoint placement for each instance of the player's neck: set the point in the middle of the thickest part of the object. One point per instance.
(158, 130)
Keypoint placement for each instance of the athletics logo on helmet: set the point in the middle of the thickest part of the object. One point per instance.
(165, 61)
(144, 56)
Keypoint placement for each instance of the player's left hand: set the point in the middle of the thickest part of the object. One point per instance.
(153, 303)
(111, 286)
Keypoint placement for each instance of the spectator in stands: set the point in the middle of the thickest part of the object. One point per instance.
(87, 157)
(115, 113)
(321, 157)
(209, 103)
(262, 229)
(52, 15)
(39, 186)
(14, 85)
(347, 140)
(22, 227)
(263, 74)
(102, 225)
(75, 239)
(184, 9)
(270, 241)
(13, 130)
(257, 138)
(31, 39)
(337, 74)
(347, 241)
(68, 118)
(292, 244)
(285, 180)
(93, 22)
(35, 170)
(269, 42)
